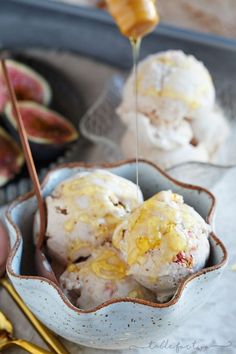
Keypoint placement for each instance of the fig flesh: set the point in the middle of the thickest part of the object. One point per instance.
(11, 158)
(27, 83)
(49, 133)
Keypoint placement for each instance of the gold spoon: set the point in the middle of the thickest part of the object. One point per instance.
(7, 339)
(45, 333)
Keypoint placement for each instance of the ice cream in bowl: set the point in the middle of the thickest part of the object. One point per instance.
(133, 262)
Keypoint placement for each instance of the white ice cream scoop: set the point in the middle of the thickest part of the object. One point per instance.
(164, 144)
(100, 278)
(172, 85)
(83, 211)
(211, 129)
(159, 134)
(163, 241)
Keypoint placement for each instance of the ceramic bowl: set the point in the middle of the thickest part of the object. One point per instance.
(118, 323)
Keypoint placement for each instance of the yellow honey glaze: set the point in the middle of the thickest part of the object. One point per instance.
(84, 187)
(71, 268)
(89, 206)
(171, 93)
(152, 226)
(107, 264)
(174, 95)
(75, 246)
(136, 293)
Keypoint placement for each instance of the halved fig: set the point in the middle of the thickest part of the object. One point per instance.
(48, 132)
(28, 85)
(11, 158)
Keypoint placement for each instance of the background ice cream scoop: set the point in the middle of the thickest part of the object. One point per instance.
(83, 211)
(163, 144)
(161, 134)
(211, 129)
(100, 278)
(178, 117)
(163, 241)
(172, 85)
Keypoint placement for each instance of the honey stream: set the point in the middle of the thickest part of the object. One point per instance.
(136, 44)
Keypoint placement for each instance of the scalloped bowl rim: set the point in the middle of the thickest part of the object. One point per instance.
(176, 297)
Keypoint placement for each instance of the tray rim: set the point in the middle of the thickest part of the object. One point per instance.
(101, 16)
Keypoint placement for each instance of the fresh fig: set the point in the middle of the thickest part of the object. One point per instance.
(11, 158)
(49, 133)
(28, 85)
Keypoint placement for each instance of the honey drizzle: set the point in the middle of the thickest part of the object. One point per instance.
(135, 44)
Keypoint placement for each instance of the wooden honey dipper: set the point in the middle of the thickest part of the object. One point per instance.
(135, 18)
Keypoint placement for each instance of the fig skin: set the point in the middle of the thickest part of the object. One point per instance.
(11, 158)
(28, 85)
(4, 248)
(49, 133)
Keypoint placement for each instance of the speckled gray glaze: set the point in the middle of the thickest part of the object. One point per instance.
(118, 323)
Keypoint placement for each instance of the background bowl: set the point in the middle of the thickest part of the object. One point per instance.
(101, 124)
(118, 323)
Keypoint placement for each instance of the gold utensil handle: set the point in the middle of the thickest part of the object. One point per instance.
(29, 347)
(46, 334)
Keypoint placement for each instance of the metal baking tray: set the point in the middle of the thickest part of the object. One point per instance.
(91, 32)
(51, 25)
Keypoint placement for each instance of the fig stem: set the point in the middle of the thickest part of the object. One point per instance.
(28, 156)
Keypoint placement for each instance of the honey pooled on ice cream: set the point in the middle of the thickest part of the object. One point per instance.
(133, 248)
(83, 211)
(163, 241)
(100, 278)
